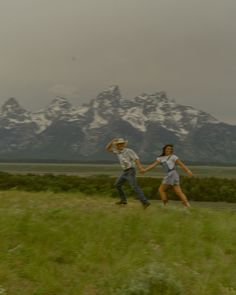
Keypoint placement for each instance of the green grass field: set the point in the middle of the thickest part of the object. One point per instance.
(108, 169)
(72, 244)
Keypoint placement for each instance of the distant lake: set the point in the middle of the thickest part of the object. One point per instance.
(108, 169)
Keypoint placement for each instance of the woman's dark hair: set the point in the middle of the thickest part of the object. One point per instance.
(164, 149)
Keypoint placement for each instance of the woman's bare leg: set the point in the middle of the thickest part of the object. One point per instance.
(177, 189)
(162, 190)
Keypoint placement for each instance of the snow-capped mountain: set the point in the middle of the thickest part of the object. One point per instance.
(148, 121)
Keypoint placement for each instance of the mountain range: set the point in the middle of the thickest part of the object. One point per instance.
(67, 133)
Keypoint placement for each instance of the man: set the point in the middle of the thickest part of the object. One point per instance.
(128, 159)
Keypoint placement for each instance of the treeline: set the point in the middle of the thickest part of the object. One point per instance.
(197, 189)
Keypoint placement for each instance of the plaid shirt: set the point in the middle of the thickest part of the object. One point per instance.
(126, 157)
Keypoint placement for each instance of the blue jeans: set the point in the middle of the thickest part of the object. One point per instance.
(130, 176)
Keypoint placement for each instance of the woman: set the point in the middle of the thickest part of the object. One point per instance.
(168, 161)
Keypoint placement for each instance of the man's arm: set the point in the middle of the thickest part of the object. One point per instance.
(139, 165)
(109, 146)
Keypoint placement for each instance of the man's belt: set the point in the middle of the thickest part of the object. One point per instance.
(128, 169)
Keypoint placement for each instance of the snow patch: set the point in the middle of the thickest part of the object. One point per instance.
(183, 131)
(192, 112)
(136, 118)
(98, 121)
(157, 116)
(41, 121)
(75, 113)
(177, 116)
(11, 120)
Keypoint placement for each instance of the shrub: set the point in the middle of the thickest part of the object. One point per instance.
(197, 189)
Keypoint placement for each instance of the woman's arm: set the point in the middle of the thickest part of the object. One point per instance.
(185, 168)
(151, 166)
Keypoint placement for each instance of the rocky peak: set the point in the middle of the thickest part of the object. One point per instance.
(107, 101)
(60, 103)
(160, 97)
(57, 107)
(12, 109)
(12, 106)
(155, 98)
(112, 92)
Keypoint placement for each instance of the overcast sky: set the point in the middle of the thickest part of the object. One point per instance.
(76, 48)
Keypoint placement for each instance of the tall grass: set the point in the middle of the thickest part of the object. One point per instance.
(72, 244)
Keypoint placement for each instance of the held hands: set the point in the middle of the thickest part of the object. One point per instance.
(139, 166)
(142, 170)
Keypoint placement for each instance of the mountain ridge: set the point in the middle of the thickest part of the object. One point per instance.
(148, 121)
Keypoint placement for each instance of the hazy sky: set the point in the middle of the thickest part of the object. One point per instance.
(76, 48)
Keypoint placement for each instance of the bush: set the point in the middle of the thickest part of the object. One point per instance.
(197, 189)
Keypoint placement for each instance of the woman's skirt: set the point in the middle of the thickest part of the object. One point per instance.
(172, 178)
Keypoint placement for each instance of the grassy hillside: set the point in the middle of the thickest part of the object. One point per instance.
(72, 244)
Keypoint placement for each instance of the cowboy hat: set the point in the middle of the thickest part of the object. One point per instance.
(121, 140)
